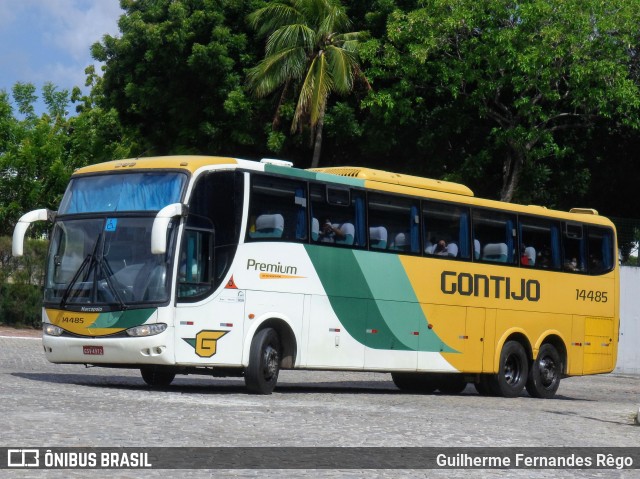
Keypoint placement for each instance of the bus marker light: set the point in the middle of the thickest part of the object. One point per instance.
(463, 337)
(430, 326)
(334, 330)
(577, 344)
(186, 323)
(226, 325)
(251, 316)
(372, 331)
(415, 333)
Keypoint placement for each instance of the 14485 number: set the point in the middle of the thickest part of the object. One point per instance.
(597, 296)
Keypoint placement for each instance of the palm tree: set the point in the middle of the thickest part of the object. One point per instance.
(308, 46)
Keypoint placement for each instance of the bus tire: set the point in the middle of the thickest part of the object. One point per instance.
(512, 371)
(157, 376)
(545, 374)
(414, 382)
(261, 375)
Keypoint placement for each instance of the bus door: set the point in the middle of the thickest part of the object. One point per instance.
(209, 329)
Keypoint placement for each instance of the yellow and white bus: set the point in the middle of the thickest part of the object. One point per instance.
(221, 266)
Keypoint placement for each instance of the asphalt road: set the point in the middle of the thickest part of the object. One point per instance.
(47, 405)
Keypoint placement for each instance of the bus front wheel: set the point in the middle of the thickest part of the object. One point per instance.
(261, 374)
(157, 376)
(545, 374)
(513, 371)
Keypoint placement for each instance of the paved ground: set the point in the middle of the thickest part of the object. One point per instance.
(46, 405)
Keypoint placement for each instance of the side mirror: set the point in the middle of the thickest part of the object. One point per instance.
(160, 224)
(17, 245)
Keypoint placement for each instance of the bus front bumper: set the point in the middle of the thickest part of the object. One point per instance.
(157, 349)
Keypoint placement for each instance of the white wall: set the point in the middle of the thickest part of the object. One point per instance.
(629, 346)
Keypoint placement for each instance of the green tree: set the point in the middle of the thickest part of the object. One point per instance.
(33, 170)
(310, 49)
(39, 154)
(527, 72)
(175, 72)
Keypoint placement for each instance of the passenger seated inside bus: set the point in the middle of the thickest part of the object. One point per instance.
(336, 233)
(572, 265)
(441, 248)
(528, 255)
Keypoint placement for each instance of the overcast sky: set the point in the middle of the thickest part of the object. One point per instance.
(49, 40)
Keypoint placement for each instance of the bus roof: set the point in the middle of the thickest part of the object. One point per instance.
(380, 176)
(347, 175)
(183, 162)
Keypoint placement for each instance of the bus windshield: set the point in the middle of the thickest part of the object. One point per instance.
(106, 261)
(137, 191)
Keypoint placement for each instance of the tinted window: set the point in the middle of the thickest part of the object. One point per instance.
(278, 210)
(494, 236)
(446, 230)
(337, 216)
(394, 223)
(574, 247)
(601, 252)
(539, 243)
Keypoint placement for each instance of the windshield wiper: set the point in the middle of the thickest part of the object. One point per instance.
(87, 261)
(108, 276)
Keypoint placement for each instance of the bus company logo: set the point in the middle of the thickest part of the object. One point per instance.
(498, 287)
(206, 342)
(23, 458)
(273, 270)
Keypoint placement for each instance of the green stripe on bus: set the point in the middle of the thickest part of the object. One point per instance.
(374, 299)
(123, 319)
(312, 175)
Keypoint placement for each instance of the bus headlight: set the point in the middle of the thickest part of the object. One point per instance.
(147, 330)
(51, 329)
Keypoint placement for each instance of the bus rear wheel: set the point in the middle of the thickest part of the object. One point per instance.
(414, 382)
(545, 374)
(261, 374)
(513, 371)
(157, 376)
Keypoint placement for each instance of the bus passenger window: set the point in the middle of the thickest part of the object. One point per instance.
(337, 216)
(446, 230)
(574, 247)
(495, 231)
(539, 243)
(277, 210)
(394, 223)
(600, 250)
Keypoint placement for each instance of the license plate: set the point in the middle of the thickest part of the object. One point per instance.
(93, 350)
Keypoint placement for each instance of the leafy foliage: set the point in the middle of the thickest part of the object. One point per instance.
(174, 74)
(21, 281)
(307, 48)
